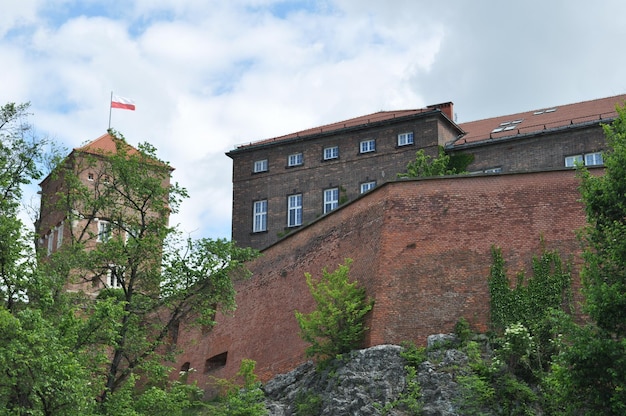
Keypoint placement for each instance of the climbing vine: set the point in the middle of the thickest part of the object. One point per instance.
(529, 299)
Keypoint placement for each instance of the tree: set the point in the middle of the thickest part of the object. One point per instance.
(64, 353)
(41, 373)
(426, 166)
(156, 278)
(337, 325)
(593, 368)
(20, 153)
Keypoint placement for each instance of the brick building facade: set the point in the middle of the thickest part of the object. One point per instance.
(283, 183)
(420, 247)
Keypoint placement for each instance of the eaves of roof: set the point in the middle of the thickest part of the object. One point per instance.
(359, 123)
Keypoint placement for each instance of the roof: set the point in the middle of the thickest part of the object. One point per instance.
(536, 121)
(361, 121)
(105, 144)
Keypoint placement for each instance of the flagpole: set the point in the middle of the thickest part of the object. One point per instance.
(110, 101)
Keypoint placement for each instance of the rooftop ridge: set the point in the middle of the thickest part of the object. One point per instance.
(351, 122)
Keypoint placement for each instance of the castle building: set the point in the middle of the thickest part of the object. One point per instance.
(422, 247)
(65, 219)
(283, 183)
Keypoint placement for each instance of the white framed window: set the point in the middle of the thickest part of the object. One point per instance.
(114, 277)
(131, 231)
(593, 159)
(571, 161)
(368, 186)
(59, 235)
(405, 139)
(260, 166)
(259, 220)
(104, 231)
(295, 159)
(367, 146)
(90, 176)
(331, 199)
(50, 242)
(294, 212)
(331, 152)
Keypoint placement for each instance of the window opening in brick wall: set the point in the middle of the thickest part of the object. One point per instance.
(588, 159)
(331, 199)
(215, 362)
(260, 166)
(367, 146)
(331, 153)
(405, 139)
(593, 159)
(104, 231)
(367, 186)
(114, 276)
(294, 213)
(295, 160)
(60, 235)
(260, 216)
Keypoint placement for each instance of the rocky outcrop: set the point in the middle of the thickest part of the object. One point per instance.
(360, 384)
(371, 382)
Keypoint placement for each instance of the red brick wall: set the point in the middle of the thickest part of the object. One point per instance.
(420, 247)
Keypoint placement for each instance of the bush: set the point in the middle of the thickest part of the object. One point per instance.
(337, 325)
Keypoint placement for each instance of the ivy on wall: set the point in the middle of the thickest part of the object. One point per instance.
(530, 298)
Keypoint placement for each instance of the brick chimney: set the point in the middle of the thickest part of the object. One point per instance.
(446, 108)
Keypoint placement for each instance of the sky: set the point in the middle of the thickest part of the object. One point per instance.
(209, 75)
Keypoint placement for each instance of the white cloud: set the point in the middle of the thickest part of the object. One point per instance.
(208, 75)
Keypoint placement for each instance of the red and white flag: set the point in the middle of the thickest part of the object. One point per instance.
(123, 103)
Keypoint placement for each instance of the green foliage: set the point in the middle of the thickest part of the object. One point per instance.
(307, 403)
(42, 373)
(604, 274)
(549, 287)
(67, 353)
(459, 162)
(488, 387)
(413, 354)
(337, 325)
(462, 330)
(410, 399)
(237, 399)
(162, 278)
(590, 373)
(425, 166)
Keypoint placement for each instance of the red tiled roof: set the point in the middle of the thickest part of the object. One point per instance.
(353, 122)
(103, 145)
(508, 126)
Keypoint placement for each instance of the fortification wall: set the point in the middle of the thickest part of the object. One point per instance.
(422, 248)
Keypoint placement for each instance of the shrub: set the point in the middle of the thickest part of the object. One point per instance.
(337, 325)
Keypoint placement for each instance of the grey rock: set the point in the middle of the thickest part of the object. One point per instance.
(365, 381)
(359, 384)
